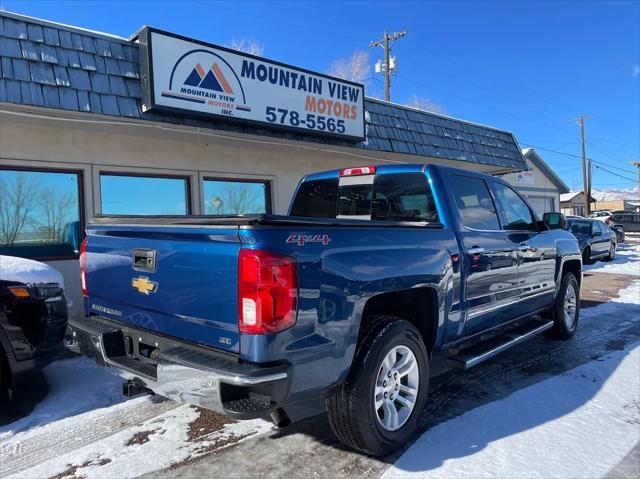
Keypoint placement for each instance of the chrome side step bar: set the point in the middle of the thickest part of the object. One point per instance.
(470, 357)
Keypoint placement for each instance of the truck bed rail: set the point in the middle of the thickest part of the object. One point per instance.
(251, 220)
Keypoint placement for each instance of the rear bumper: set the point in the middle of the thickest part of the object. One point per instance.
(183, 371)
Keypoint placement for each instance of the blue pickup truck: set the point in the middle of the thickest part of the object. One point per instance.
(347, 298)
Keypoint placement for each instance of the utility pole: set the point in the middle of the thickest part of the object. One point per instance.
(585, 178)
(637, 165)
(589, 178)
(390, 63)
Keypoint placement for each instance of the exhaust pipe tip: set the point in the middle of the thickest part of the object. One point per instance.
(280, 418)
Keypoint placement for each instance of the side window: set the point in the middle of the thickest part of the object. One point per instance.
(123, 194)
(224, 196)
(516, 213)
(40, 213)
(474, 202)
(316, 199)
(599, 226)
(403, 197)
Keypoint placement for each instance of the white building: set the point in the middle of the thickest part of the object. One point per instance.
(540, 184)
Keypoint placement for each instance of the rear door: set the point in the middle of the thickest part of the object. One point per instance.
(601, 238)
(490, 261)
(177, 281)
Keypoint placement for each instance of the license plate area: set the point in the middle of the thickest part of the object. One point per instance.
(131, 352)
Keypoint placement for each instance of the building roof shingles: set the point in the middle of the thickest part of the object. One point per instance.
(50, 65)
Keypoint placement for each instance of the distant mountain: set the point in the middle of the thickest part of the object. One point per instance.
(612, 194)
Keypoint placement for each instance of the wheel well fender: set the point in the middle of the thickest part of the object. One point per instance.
(417, 305)
(573, 266)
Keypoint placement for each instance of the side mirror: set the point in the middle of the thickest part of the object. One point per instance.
(554, 221)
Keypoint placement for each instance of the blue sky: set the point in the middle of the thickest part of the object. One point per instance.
(528, 67)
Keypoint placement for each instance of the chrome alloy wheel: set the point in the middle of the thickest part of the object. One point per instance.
(396, 389)
(570, 306)
(612, 251)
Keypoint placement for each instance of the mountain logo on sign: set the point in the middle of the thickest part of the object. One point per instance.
(213, 79)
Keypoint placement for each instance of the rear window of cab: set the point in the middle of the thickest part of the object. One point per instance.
(390, 197)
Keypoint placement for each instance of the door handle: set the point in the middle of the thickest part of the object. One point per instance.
(475, 250)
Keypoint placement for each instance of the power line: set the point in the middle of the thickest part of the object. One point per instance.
(612, 166)
(613, 157)
(616, 174)
(575, 156)
(551, 151)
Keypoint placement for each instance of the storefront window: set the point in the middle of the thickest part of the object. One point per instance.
(143, 195)
(40, 214)
(236, 197)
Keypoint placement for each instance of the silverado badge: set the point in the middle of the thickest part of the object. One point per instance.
(144, 285)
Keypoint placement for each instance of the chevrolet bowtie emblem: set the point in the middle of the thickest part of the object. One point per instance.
(144, 285)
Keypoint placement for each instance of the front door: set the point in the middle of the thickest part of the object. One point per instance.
(536, 249)
(490, 261)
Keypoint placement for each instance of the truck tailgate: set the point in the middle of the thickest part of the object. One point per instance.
(176, 281)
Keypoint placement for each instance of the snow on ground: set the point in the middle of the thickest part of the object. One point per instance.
(579, 424)
(173, 437)
(87, 428)
(75, 385)
(627, 261)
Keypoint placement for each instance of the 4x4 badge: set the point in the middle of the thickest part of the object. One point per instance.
(144, 285)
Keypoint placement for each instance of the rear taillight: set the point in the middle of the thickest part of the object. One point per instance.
(267, 292)
(83, 268)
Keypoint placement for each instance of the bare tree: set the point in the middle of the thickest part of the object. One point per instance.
(355, 68)
(427, 104)
(18, 199)
(240, 199)
(247, 45)
(57, 211)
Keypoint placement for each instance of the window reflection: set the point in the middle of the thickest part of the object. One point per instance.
(39, 213)
(232, 197)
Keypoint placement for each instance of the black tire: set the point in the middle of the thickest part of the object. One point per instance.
(351, 408)
(612, 252)
(5, 380)
(562, 330)
(586, 255)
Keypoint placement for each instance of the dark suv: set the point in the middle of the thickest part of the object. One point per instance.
(630, 222)
(33, 319)
(596, 239)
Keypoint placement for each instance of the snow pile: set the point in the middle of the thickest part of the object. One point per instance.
(28, 271)
(627, 261)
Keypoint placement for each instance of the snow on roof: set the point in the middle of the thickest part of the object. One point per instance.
(569, 196)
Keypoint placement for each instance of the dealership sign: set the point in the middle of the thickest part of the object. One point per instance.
(525, 177)
(191, 77)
